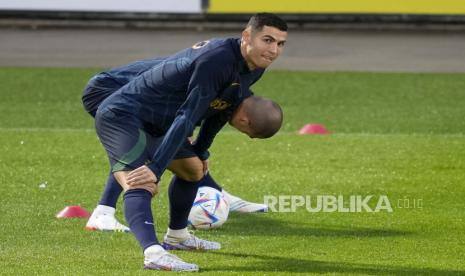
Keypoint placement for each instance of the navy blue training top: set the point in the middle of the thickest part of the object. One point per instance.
(183, 90)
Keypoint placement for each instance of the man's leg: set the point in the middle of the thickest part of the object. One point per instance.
(103, 217)
(138, 212)
(182, 192)
(188, 177)
(127, 148)
(111, 193)
(183, 189)
(236, 204)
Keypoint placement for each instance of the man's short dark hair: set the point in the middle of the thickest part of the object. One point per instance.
(259, 20)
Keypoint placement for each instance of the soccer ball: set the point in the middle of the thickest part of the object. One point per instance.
(209, 210)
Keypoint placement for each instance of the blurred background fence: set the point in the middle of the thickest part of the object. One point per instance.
(226, 14)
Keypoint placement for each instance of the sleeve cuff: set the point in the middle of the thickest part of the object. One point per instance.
(154, 168)
(203, 155)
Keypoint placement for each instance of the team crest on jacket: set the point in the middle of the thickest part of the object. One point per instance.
(219, 104)
(200, 44)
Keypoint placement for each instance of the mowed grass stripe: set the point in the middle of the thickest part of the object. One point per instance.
(230, 131)
(343, 102)
(424, 241)
(399, 135)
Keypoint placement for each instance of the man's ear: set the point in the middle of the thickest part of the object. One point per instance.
(246, 35)
(241, 117)
(244, 120)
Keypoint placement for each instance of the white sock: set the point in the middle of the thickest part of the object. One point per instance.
(103, 209)
(181, 234)
(154, 251)
(229, 197)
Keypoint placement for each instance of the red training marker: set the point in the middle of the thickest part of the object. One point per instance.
(73, 212)
(313, 129)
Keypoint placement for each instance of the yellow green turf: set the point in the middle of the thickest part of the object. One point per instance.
(399, 135)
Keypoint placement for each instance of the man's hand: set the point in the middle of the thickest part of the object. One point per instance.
(205, 166)
(204, 162)
(143, 178)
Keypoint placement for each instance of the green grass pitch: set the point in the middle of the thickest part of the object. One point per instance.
(399, 135)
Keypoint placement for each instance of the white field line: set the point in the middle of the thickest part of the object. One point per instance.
(43, 129)
(229, 132)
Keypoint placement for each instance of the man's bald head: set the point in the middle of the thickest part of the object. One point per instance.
(258, 117)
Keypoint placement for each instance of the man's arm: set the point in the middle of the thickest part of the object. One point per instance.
(210, 127)
(209, 77)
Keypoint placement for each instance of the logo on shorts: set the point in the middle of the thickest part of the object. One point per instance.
(219, 104)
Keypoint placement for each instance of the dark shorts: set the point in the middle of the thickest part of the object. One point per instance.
(127, 143)
(98, 89)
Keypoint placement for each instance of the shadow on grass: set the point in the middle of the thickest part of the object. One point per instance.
(266, 263)
(264, 225)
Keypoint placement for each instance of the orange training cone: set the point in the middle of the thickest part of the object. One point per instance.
(73, 212)
(313, 129)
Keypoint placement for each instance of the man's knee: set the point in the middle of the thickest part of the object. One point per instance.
(121, 178)
(188, 169)
(191, 177)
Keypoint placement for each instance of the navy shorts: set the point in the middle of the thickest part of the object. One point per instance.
(98, 89)
(127, 143)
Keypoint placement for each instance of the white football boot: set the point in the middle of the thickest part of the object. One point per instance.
(237, 204)
(155, 257)
(103, 219)
(185, 240)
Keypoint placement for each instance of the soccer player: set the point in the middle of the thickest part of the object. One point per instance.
(98, 89)
(144, 128)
